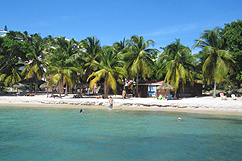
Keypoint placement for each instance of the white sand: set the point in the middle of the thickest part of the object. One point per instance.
(194, 105)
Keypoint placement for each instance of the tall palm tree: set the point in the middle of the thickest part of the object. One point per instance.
(92, 48)
(177, 63)
(35, 66)
(109, 68)
(121, 48)
(62, 64)
(139, 58)
(218, 61)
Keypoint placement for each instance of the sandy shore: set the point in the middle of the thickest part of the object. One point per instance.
(193, 105)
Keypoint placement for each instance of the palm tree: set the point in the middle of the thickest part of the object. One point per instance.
(62, 64)
(218, 61)
(35, 66)
(139, 58)
(177, 63)
(13, 76)
(121, 48)
(92, 48)
(109, 68)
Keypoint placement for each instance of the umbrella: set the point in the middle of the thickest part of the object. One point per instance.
(44, 85)
(81, 85)
(166, 86)
(18, 85)
(31, 80)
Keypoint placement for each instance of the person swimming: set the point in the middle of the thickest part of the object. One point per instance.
(81, 111)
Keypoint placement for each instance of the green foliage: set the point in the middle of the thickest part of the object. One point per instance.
(177, 62)
(218, 62)
(109, 68)
(13, 75)
(232, 41)
(11, 51)
(35, 65)
(62, 63)
(239, 78)
(70, 62)
(91, 49)
(138, 58)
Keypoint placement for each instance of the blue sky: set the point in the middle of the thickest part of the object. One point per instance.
(111, 21)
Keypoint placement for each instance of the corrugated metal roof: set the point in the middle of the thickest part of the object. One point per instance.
(151, 82)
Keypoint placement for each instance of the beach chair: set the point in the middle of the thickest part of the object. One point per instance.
(222, 96)
(160, 97)
(233, 97)
(170, 96)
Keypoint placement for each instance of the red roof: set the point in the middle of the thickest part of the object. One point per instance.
(151, 82)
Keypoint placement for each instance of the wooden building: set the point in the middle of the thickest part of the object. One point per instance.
(148, 89)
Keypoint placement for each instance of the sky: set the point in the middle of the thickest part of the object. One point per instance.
(113, 20)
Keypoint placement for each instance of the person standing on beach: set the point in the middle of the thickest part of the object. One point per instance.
(123, 93)
(110, 103)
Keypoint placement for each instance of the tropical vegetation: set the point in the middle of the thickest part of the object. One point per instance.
(218, 62)
(178, 63)
(67, 63)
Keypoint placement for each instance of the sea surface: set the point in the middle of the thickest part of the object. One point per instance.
(52, 134)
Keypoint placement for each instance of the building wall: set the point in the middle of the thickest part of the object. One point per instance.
(143, 91)
(190, 91)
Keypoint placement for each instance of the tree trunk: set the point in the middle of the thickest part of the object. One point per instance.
(60, 91)
(36, 84)
(47, 89)
(124, 83)
(137, 86)
(175, 94)
(66, 90)
(106, 87)
(214, 91)
(36, 88)
(60, 86)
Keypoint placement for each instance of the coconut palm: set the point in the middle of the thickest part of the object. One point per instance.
(218, 61)
(35, 66)
(109, 68)
(92, 48)
(62, 64)
(139, 58)
(13, 76)
(121, 48)
(177, 63)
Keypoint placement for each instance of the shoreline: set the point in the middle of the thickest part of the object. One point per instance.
(203, 105)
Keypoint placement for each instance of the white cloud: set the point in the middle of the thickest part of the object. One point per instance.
(176, 29)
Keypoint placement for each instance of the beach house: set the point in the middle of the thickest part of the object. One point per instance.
(149, 89)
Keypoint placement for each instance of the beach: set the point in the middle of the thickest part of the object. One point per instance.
(206, 104)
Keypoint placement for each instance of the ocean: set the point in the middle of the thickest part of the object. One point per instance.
(40, 133)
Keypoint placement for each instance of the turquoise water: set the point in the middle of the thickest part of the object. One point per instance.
(65, 134)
